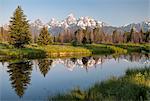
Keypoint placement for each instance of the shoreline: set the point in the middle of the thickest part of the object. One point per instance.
(52, 51)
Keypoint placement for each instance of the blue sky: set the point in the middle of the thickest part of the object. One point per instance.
(113, 12)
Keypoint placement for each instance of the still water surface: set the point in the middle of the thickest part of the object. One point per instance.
(35, 80)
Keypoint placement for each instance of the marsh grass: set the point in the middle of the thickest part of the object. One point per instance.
(133, 86)
(135, 47)
(98, 49)
(105, 49)
(57, 50)
(36, 51)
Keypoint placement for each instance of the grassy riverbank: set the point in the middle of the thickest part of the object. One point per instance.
(133, 86)
(105, 49)
(135, 47)
(36, 51)
(118, 48)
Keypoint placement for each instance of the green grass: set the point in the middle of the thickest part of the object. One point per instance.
(135, 47)
(133, 86)
(22, 53)
(105, 49)
(57, 50)
(36, 51)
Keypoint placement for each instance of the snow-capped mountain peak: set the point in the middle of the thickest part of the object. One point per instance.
(145, 26)
(64, 24)
(72, 24)
(37, 23)
(71, 19)
(53, 22)
(86, 22)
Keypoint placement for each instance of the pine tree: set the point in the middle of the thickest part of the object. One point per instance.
(79, 35)
(44, 37)
(131, 36)
(90, 41)
(61, 38)
(84, 40)
(115, 36)
(1, 34)
(19, 29)
(145, 36)
(98, 35)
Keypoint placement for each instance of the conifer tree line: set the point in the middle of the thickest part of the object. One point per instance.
(19, 34)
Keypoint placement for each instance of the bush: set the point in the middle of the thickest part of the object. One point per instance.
(74, 43)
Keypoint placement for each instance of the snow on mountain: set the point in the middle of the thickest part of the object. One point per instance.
(35, 27)
(37, 23)
(54, 26)
(145, 26)
(6, 26)
(84, 22)
(71, 19)
(147, 21)
(72, 24)
(53, 23)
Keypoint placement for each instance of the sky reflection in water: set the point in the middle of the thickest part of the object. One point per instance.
(37, 79)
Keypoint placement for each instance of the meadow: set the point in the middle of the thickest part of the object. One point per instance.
(57, 50)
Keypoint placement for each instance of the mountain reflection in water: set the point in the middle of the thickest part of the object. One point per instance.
(20, 73)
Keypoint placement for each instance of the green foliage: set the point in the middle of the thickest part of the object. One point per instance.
(90, 41)
(105, 49)
(74, 43)
(117, 50)
(5, 46)
(146, 36)
(131, 47)
(44, 37)
(36, 51)
(19, 29)
(127, 37)
(131, 34)
(84, 41)
(98, 49)
(29, 53)
(115, 36)
(134, 86)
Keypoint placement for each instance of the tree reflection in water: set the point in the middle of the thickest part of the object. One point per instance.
(20, 72)
(85, 62)
(20, 76)
(44, 66)
(74, 60)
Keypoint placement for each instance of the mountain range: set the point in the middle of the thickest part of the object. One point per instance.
(72, 24)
